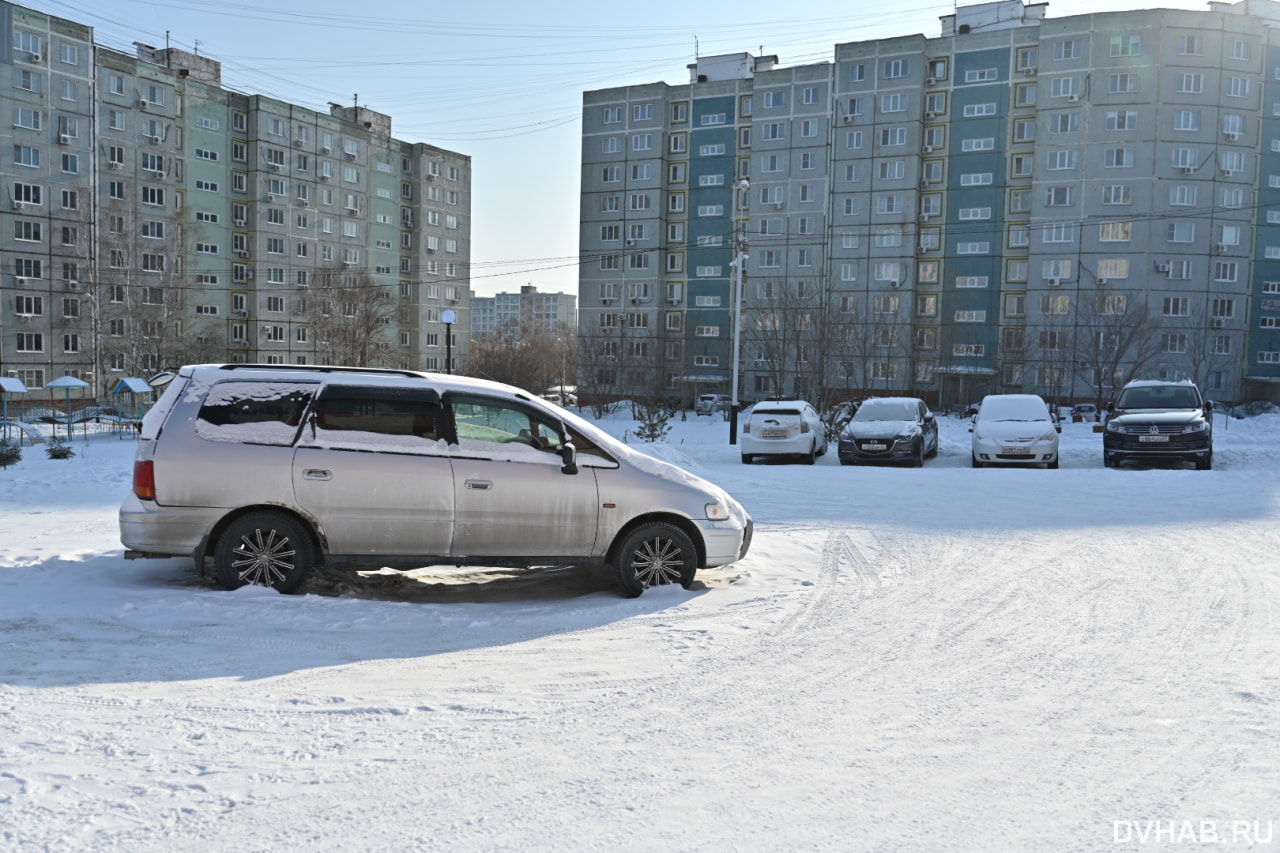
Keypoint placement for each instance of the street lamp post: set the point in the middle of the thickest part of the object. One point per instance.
(449, 318)
(739, 261)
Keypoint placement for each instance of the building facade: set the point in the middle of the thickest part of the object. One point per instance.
(1022, 204)
(526, 311)
(153, 218)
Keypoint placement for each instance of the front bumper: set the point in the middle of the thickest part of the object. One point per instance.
(896, 450)
(725, 541)
(992, 452)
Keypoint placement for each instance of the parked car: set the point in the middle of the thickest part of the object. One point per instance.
(272, 469)
(709, 404)
(1012, 429)
(890, 429)
(1084, 411)
(1160, 421)
(783, 428)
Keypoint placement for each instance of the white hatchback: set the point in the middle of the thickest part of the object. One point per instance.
(1012, 429)
(783, 428)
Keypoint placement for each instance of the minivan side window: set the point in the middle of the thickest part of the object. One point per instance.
(386, 419)
(487, 425)
(243, 412)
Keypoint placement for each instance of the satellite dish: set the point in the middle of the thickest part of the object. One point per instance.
(449, 316)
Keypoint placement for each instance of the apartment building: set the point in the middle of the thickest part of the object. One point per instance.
(1020, 204)
(526, 311)
(153, 218)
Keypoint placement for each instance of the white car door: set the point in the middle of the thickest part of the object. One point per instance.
(371, 469)
(512, 498)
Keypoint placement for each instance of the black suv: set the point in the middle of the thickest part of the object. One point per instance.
(1157, 420)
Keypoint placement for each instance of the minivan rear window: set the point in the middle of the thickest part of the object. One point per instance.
(254, 412)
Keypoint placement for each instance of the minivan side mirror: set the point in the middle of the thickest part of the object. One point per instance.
(569, 454)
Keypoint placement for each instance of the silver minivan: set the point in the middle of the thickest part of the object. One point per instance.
(271, 469)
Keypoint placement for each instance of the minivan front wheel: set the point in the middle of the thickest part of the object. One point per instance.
(654, 554)
(263, 549)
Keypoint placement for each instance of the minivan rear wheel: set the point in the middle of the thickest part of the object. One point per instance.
(263, 549)
(654, 554)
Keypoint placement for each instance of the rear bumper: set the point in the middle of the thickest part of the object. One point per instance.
(157, 531)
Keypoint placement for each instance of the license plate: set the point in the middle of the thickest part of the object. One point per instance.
(871, 445)
(1153, 438)
(773, 433)
(1016, 451)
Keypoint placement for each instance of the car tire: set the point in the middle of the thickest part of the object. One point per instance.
(1053, 466)
(933, 452)
(654, 554)
(973, 459)
(812, 456)
(1205, 464)
(1110, 461)
(747, 458)
(263, 549)
(918, 460)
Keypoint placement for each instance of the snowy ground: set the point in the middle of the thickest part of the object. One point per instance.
(908, 659)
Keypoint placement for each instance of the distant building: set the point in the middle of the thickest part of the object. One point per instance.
(152, 217)
(527, 310)
(1022, 204)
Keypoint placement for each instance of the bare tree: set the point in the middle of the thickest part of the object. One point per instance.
(1203, 353)
(351, 315)
(1051, 344)
(139, 295)
(1116, 339)
(530, 357)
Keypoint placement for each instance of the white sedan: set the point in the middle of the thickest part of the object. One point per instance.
(1012, 429)
(783, 428)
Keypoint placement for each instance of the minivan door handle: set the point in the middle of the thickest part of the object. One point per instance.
(317, 474)
(479, 485)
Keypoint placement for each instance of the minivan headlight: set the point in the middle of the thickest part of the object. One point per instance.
(716, 512)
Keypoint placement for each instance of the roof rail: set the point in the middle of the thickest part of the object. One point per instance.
(320, 368)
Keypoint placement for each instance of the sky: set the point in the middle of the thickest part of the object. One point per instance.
(499, 81)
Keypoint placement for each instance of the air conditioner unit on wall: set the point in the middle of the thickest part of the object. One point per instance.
(1218, 322)
(1102, 281)
(1071, 99)
(1162, 268)
(1054, 282)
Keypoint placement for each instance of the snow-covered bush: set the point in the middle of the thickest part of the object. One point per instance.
(10, 453)
(59, 449)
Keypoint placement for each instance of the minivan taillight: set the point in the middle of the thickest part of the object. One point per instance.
(144, 480)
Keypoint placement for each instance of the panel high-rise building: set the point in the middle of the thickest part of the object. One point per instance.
(153, 218)
(1021, 204)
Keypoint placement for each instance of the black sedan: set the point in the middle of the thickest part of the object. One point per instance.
(890, 429)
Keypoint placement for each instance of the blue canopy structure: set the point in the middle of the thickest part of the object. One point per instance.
(9, 385)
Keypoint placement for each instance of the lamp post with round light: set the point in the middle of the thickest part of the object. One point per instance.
(449, 318)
